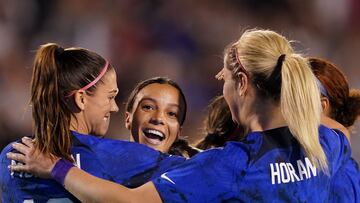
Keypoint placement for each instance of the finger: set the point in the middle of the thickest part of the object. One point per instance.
(18, 168)
(27, 141)
(16, 156)
(21, 148)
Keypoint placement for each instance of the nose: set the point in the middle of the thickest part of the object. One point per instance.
(157, 118)
(220, 75)
(114, 106)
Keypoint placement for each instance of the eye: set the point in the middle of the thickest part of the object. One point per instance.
(112, 97)
(173, 114)
(147, 107)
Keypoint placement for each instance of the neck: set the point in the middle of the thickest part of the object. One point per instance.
(265, 115)
(78, 125)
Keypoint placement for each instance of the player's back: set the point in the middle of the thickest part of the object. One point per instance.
(267, 166)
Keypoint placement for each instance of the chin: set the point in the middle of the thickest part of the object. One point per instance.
(99, 134)
(235, 121)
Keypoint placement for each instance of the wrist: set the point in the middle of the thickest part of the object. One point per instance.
(60, 170)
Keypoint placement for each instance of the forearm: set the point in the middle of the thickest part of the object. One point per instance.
(88, 188)
(82, 185)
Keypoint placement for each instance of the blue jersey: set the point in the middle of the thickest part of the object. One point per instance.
(267, 166)
(127, 163)
(346, 181)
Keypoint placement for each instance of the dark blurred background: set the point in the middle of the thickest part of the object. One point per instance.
(181, 39)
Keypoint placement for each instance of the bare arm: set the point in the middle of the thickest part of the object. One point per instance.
(88, 188)
(82, 185)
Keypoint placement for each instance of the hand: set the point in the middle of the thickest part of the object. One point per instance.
(37, 163)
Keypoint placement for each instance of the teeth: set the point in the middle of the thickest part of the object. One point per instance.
(155, 132)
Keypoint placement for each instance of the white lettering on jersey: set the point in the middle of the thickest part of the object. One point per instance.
(29, 175)
(19, 174)
(77, 160)
(285, 172)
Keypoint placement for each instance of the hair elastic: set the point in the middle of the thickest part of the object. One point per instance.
(59, 51)
(276, 73)
(102, 73)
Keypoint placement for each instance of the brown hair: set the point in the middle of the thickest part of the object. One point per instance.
(159, 80)
(56, 73)
(182, 148)
(218, 125)
(345, 103)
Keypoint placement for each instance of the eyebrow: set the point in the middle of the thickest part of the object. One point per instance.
(154, 100)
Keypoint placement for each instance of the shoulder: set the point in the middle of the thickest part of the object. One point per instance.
(231, 151)
(206, 177)
(3, 159)
(331, 139)
(336, 147)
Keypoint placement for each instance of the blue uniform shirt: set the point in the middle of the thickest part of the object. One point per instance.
(127, 163)
(345, 184)
(267, 166)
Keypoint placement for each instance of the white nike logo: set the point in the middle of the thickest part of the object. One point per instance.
(164, 176)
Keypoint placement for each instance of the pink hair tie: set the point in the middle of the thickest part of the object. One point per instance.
(102, 73)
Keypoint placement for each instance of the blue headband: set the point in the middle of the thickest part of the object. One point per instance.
(322, 88)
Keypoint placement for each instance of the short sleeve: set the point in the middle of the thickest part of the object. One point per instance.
(207, 177)
(133, 164)
(336, 147)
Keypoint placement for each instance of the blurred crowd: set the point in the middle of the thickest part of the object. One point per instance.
(181, 39)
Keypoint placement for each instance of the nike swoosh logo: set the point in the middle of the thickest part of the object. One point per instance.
(164, 176)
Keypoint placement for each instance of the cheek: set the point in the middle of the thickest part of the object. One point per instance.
(139, 116)
(226, 87)
(174, 130)
(226, 93)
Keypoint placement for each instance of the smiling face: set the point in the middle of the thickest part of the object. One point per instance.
(154, 120)
(94, 117)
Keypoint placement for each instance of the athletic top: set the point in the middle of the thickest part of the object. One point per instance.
(267, 166)
(345, 183)
(124, 162)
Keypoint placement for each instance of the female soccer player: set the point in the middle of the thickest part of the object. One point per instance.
(73, 96)
(272, 92)
(341, 108)
(339, 102)
(155, 113)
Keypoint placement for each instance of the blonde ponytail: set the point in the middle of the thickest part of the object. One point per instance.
(301, 107)
(260, 53)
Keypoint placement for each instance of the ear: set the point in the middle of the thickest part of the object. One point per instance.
(80, 99)
(325, 104)
(128, 119)
(242, 83)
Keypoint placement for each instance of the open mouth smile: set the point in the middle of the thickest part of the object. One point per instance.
(153, 136)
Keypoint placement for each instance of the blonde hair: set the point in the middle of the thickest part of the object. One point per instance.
(258, 53)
